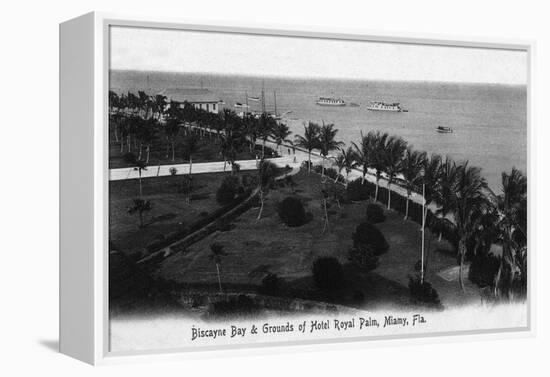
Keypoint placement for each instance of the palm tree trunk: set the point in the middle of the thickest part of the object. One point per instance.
(309, 162)
(219, 279)
(173, 151)
(407, 207)
(389, 195)
(148, 154)
(347, 179)
(376, 191)
(261, 204)
(140, 190)
(462, 251)
(323, 167)
(326, 225)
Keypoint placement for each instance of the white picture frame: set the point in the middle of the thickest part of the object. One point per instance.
(84, 70)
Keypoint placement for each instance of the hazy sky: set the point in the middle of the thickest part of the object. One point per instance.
(207, 52)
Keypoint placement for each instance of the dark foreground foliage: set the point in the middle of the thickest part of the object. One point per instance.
(328, 273)
(423, 292)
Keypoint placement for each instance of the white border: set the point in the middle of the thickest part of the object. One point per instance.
(102, 23)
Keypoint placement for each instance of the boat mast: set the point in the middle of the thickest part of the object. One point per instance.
(263, 97)
(275, 99)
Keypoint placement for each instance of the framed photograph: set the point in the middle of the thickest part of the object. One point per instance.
(225, 187)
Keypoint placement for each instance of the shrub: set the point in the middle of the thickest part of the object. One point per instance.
(292, 212)
(357, 191)
(328, 273)
(483, 269)
(375, 213)
(423, 291)
(228, 190)
(270, 284)
(173, 171)
(368, 235)
(240, 305)
(363, 257)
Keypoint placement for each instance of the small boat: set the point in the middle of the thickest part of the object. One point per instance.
(353, 104)
(329, 101)
(383, 106)
(444, 130)
(240, 105)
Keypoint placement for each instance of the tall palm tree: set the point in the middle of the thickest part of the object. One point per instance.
(309, 141)
(411, 170)
(159, 105)
(347, 160)
(266, 125)
(281, 132)
(327, 142)
(266, 178)
(216, 253)
(443, 193)
(191, 145)
(364, 152)
(469, 202)
(171, 130)
(393, 158)
(377, 156)
(511, 205)
(139, 166)
(149, 136)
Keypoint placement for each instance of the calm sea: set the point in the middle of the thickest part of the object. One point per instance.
(489, 121)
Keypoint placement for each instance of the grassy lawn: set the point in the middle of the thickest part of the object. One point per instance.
(257, 247)
(209, 151)
(170, 212)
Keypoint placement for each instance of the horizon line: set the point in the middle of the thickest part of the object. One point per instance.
(321, 78)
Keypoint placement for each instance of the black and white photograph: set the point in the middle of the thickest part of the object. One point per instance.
(269, 189)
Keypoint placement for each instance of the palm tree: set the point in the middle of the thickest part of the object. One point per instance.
(346, 159)
(266, 125)
(149, 136)
(139, 166)
(411, 170)
(309, 141)
(216, 253)
(443, 193)
(511, 205)
(393, 158)
(327, 142)
(468, 204)
(365, 151)
(159, 105)
(266, 177)
(140, 206)
(281, 133)
(171, 130)
(191, 145)
(376, 155)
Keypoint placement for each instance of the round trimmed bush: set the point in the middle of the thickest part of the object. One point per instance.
(368, 235)
(328, 273)
(228, 190)
(292, 212)
(375, 213)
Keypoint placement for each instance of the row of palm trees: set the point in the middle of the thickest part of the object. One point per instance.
(464, 202)
(138, 121)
